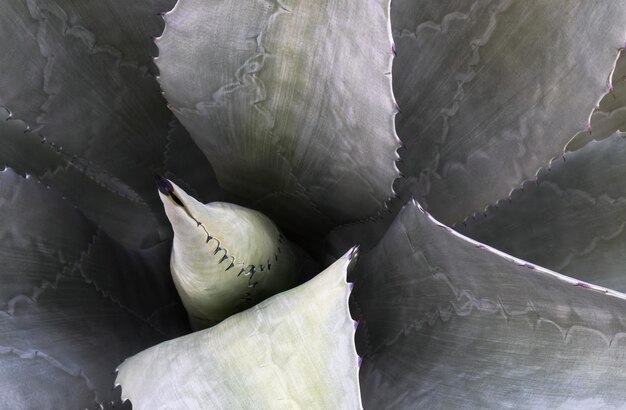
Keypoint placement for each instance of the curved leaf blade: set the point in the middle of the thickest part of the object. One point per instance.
(105, 200)
(294, 350)
(447, 320)
(88, 91)
(292, 106)
(570, 219)
(491, 90)
(73, 302)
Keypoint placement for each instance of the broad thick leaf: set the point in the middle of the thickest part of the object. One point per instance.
(124, 216)
(292, 105)
(225, 258)
(79, 75)
(35, 246)
(570, 219)
(491, 90)
(73, 303)
(294, 350)
(446, 320)
(480, 115)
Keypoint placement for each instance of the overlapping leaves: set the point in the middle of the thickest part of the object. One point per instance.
(443, 319)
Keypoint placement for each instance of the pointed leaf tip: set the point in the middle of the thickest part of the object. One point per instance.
(296, 349)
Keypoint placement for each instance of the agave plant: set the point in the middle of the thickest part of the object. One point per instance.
(508, 114)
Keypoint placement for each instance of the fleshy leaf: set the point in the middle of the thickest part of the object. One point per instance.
(35, 245)
(225, 258)
(108, 202)
(294, 350)
(570, 219)
(73, 302)
(491, 90)
(292, 106)
(122, 31)
(92, 96)
(446, 320)
(88, 90)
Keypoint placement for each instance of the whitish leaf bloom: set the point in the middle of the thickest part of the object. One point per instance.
(287, 111)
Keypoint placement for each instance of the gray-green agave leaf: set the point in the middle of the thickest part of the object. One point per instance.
(491, 90)
(570, 219)
(73, 302)
(291, 102)
(294, 350)
(80, 76)
(446, 320)
(105, 200)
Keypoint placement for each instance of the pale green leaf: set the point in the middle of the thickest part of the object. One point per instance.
(294, 350)
(225, 258)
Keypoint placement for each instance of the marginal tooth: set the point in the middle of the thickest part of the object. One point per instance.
(261, 266)
(217, 249)
(223, 258)
(231, 265)
(208, 238)
(269, 265)
(276, 257)
(241, 271)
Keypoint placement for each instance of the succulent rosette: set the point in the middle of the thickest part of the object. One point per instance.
(473, 151)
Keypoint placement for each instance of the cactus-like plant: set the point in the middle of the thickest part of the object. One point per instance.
(286, 108)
